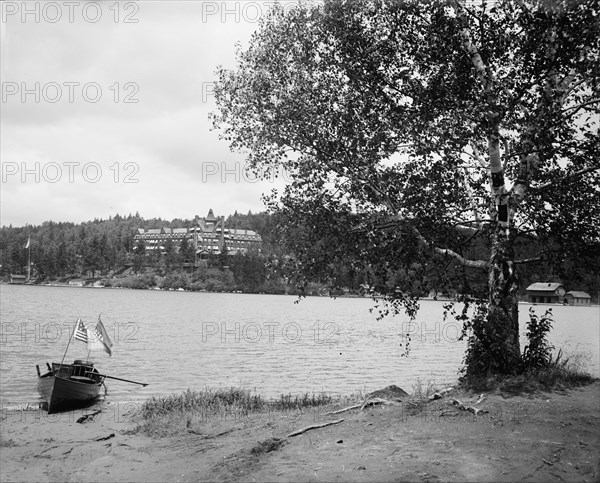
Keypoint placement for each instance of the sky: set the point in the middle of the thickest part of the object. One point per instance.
(105, 108)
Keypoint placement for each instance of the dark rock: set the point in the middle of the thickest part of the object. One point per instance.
(391, 392)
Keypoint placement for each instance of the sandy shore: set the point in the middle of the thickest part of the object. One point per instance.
(547, 437)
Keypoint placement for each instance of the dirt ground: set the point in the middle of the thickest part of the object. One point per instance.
(547, 437)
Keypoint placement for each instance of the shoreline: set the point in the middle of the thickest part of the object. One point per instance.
(157, 289)
(548, 436)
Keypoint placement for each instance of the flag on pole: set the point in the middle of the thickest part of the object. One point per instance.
(81, 332)
(99, 339)
(28, 242)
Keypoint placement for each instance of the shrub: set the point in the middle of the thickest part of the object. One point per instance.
(197, 286)
(175, 281)
(537, 354)
(142, 282)
(487, 348)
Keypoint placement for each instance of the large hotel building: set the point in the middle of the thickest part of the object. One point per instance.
(207, 235)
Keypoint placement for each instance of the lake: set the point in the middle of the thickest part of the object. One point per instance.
(266, 343)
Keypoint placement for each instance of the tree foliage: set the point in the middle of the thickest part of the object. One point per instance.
(426, 140)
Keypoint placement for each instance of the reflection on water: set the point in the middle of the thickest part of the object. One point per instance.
(267, 343)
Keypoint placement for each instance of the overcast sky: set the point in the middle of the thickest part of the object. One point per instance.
(105, 110)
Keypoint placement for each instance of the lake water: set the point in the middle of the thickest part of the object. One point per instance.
(267, 343)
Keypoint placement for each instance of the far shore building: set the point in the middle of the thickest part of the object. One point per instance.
(17, 278)
(546, 293)
(208, 235)
(576, 297)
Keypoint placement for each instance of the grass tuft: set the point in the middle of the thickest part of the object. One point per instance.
(421, 391)
(560, 373)
(268, 445)
(419, 400)
(7, 443)
(166, 415)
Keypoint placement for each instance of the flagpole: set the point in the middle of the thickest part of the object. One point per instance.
(69, 343)
(195, 250)
(29, 260)
(28, 248)
(89, 348)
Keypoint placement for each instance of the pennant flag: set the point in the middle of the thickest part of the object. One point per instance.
(81, 332)
(94, 343)
(28, 242)
(99, 339)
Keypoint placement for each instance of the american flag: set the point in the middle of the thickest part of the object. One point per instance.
(81, 332)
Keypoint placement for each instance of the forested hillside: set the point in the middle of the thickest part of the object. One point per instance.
(60, 249)
(104, 251)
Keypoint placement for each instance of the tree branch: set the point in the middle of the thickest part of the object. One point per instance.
(574, 175)
(471, 198)
(442, 251)
(464, 226)
(529, 260)
(463, 261)
(451, 253)
(477, 156)
(580, 106)
(571, 88)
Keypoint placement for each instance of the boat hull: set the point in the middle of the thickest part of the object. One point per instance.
(64, 393)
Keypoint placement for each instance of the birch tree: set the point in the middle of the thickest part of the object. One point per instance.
(418, 135)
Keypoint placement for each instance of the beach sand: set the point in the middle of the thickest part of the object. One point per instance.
(547, 437)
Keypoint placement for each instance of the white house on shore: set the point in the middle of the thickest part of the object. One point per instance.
(555, 293)
(546, 293)
(575, 297)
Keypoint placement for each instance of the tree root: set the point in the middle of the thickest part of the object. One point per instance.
(368, 402)
(90, 416)
(440, 394)
(375, 401)
(314, 426)
(463, 407)
(371, 400)
(349, 408)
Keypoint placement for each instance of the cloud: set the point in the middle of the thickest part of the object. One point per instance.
(127, 100)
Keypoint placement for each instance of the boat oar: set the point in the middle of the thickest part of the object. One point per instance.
(124, 380)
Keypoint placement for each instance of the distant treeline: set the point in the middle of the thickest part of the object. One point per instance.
(101, 249)
(105, 251)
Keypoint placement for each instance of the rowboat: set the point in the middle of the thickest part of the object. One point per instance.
(69, 386)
